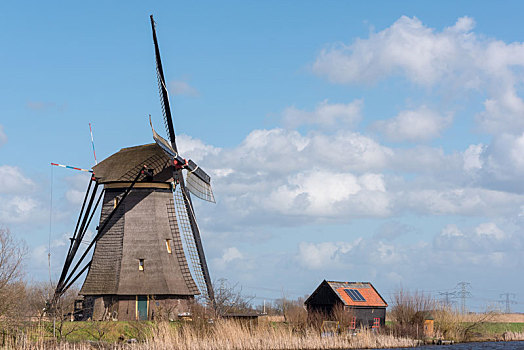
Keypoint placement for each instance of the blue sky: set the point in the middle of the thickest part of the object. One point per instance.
(348, 141)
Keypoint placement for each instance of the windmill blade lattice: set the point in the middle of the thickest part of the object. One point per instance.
(189, 241)
(162, 89)
(199, 188)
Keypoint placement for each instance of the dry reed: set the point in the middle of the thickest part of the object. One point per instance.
(513, 336)
(229, 335)
(454, 325)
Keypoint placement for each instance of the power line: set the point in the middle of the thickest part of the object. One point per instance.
(509, 299)
(447, 296)
(463, 293)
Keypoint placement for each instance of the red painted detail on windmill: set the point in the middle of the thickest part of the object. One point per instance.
(179, 165)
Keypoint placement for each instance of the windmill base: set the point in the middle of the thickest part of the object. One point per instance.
(134, 307)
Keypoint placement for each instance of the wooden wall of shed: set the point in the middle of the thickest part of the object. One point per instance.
(366, 316)
(323, 300)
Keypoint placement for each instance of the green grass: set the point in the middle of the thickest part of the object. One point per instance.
(108, 331)
(499, 328)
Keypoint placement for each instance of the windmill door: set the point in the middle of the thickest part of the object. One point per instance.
(141, 307)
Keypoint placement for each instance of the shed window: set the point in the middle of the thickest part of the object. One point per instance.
(168, 245)
(141, 264)
(353, 324)
(376, 322)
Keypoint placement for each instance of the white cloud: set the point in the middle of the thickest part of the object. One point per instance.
(281, 151)
(19, 197)
(427, 161)
(330, 194)
(3, 136)
(490, 229)
(472, 157)
(387, 254)
(17, 209)
(12, 181)
(325, 254)
(77, 185)
(316, 255)
(228, 255)
(503, 112)
(451, 231)
(39, 255)
(280, 177)
(180, 87)
(409, 47)
(195, 149)
(325, 115)
(391, 230)
(501, 164)
(484, 241)
(59, 246)
(75, 196)
(455, 59)
(414, 125)
(349, 151)
(231, 254)
(459, 201)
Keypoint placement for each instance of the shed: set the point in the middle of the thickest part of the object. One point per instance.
(361, 300)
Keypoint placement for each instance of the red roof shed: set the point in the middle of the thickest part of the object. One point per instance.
(361, 299)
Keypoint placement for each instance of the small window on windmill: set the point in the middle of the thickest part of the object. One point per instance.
(141, 264)
(168, 245)
(115, 202)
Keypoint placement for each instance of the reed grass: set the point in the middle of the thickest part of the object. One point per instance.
(231, 335)
(513, 336)
(223, 335)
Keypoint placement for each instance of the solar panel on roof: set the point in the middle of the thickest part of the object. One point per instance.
(354, 295)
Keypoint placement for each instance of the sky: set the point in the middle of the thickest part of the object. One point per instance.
(354, 141)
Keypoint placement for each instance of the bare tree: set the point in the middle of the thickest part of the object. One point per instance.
(409, 310)
(12, 252)
(229, 298)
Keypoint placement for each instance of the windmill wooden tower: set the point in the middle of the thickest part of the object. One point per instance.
(148, 256)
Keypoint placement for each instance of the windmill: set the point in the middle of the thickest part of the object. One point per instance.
(148, 254)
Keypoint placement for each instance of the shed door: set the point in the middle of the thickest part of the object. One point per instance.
(141, 307)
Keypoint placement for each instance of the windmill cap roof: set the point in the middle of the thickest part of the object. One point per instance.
(124, 165)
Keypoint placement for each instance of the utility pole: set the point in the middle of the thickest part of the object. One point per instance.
(508, 300)
(463, 293)
(446, 297)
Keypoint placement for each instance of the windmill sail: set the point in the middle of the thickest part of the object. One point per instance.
(162, 142)
(198, 181)
(198, 187)
(164, 98)
(201, 187)
(190, 248)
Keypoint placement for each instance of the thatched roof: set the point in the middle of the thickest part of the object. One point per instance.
(124, 165)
